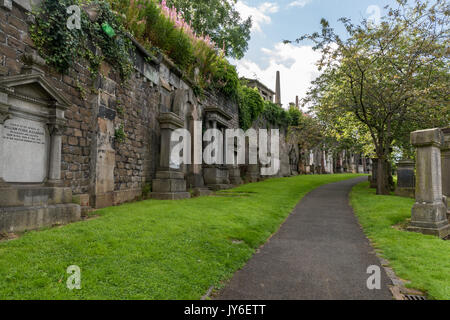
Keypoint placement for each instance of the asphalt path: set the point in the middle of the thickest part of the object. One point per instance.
(319, 253)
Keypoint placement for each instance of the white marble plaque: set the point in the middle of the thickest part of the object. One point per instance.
(25, 151)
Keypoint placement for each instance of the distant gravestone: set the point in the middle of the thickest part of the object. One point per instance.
(405, 178)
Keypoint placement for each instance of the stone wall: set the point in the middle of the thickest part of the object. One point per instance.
(93, 161)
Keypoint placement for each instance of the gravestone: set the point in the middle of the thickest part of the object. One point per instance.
(405, 179)
(31, 123)
(429, 213)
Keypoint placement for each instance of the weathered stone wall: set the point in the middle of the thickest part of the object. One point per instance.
(93, 161)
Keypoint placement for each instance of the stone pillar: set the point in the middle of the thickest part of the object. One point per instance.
(445, 158)
(54, 172)
(429, 213)
(405, 179)
(169, 183)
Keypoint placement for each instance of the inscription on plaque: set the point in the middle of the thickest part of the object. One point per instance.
(25, 151)
(23, 133)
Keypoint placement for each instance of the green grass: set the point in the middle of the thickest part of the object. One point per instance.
(152, 249)
(423, 260)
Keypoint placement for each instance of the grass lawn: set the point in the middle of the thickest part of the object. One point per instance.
(153, 249)
(423, 260)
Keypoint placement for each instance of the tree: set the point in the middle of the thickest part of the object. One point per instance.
(392, 77)
(220, 20)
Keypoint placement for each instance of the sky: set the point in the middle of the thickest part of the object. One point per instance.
(275, 21)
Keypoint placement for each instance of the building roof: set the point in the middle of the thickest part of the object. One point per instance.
(259, 84)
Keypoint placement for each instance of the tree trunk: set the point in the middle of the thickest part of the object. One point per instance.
(383, 176)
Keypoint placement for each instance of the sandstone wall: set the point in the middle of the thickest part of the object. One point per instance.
(94, 163)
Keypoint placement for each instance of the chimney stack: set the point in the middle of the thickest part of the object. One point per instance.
(278, 90)
(296, 103)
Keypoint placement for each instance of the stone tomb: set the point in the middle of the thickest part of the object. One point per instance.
(31, 120)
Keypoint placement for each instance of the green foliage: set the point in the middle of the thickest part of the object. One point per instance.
(199, 61)
(152, 249)
(295, 115)
(388, 79)
(62, 47)
(226, 78)
(146, 189)
(251, 105)
(120, 134)
(220, 20)
(276, 115)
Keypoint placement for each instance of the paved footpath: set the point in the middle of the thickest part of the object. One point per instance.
(320, 252)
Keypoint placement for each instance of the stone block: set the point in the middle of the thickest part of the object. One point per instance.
(81, 199)
(123, 196)
(103, 200)
(169, 185)
(17, 219)
(430, 218)
(34, 196)
(428, 137)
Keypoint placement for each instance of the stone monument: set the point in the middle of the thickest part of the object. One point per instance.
(217, 176)
(169, 183)
(406, 180)
(429, 213)
(31, 124)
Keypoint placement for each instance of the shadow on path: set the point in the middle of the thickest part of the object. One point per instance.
(319, 253)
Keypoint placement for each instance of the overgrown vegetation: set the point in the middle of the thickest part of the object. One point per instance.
(421, 259)
(158, 28)
(152, 249)
(62, 47)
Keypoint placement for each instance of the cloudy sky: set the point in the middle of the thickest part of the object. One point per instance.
(275, 21)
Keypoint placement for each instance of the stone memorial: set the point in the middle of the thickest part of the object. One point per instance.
(429, 213)
(169, 183)
(217, 176)
(405, 179)
(31, 123)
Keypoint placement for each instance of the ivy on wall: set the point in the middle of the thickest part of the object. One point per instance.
(102, 39)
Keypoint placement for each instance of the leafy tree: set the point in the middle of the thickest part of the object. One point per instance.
(220, 20)
(392, 77)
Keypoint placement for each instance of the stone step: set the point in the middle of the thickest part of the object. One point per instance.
(27, 196)
(17, 219)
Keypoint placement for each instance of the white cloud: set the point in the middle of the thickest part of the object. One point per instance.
(297, 65)
(299, 3)
(260, 14)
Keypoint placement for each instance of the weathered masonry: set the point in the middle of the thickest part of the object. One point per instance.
(69, 142)
(59, 147)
